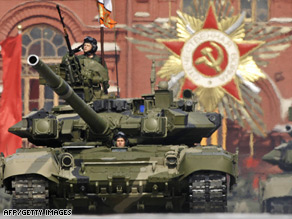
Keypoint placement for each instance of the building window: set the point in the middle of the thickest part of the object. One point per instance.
(43, 41)
(195, 8)
(256, 10)
(49, 44)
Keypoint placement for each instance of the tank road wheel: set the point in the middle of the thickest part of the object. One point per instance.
(30, 191)
(278, 205)
(208, 192)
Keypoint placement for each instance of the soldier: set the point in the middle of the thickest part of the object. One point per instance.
(85, 73)
(89, 47)
(120, 140)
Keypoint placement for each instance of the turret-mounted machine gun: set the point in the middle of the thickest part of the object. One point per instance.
(73, 68)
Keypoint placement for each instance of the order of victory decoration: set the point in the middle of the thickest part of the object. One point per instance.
(217, 56)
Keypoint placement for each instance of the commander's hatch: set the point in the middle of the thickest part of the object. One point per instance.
(62, 109)
(138, 106)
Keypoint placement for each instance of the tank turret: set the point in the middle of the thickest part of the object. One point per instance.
(275, 193)
(282, 154)
(96, 123)
(154, 118)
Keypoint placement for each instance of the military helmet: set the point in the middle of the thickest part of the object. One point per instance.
(92, 41)
(120, 135)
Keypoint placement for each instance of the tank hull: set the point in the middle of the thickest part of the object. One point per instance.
(276, 193)
(143, 178)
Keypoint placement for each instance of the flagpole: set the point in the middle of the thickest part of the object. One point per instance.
(102, 53)
(116, 62)
(102, 44)
(105, 8)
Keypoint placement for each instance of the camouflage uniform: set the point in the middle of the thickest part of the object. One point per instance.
(98, 69)
(90, 78)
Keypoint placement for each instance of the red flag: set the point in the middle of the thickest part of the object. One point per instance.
(10, 103)
(105, 9)
(251, 162)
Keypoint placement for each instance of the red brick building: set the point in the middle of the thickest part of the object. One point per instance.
(79, 17)
(42, 35)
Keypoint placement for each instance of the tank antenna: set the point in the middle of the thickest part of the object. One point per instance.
(153, 77)
(102, 52)
(116, 62)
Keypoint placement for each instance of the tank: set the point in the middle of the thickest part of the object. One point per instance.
(275, 193)
(75, 165)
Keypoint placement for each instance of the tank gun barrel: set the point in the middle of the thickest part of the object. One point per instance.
(97, 124)
(289, 129)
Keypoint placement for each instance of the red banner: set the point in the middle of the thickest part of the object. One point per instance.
(10, 103)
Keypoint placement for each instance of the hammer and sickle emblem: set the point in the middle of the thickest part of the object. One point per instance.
(209, 59)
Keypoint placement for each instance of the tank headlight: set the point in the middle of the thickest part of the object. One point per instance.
(171, 160)
(66, 160)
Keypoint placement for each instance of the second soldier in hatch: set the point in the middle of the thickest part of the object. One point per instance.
(120, 140)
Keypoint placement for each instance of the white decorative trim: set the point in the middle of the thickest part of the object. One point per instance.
(121, 25)
(281, 19)
(141, 14)
(162, 19)
(107, 46)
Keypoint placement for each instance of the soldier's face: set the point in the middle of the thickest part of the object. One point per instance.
(121, 142)
(87, 47)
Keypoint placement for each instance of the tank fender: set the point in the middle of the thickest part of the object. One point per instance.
(212, 158)
(31, 162)
(276, 186)
(1, 168)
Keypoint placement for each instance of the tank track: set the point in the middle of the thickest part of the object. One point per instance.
(208, 192)
(30, 192)
(278, 205)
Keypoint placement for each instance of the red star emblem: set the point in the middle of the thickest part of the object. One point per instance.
(211, 58)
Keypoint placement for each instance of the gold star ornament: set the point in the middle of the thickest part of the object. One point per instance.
(210, 54)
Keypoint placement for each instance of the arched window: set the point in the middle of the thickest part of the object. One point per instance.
(256, 10)
(43, 41)
(48, 43)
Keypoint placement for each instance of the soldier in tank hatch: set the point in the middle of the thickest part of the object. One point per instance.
(89, 47)
(86, 73)
(120, 140)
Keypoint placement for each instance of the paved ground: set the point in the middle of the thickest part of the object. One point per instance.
(173, 216)
(242, 204)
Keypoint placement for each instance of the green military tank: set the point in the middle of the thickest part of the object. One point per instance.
(162, 169)
(275, 193)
